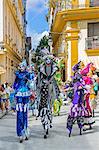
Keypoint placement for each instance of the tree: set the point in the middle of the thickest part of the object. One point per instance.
(42, 44)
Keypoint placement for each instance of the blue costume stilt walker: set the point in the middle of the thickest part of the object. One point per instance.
(32, 86)
(22, 94)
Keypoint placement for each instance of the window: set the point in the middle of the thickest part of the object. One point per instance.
(93, 29)
(94, 3)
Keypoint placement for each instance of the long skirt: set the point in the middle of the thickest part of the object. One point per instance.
(45, 107)
(77, 113)
(88, 118)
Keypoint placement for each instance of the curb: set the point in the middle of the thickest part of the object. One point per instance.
(4, 114)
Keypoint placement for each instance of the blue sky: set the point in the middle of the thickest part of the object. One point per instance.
(37, 26)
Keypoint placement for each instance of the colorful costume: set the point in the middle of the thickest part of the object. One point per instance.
(32, 85)
(79, 111)
(22, 94)
(48, 91)
(58, 77)
(88, 82)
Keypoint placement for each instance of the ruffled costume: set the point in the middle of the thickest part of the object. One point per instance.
(80, 110)
(22, 95)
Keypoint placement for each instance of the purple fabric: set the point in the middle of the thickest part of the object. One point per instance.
(76, 96)
(76, 67)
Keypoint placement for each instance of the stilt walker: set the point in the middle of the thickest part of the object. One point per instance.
(77, 111)
(88, 82)
(48, 89)
(32, 86)
(22, 94)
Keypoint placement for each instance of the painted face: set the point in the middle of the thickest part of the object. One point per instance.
(48, 61)
(22, 68)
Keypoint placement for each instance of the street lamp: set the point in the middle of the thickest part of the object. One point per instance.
(50, 43)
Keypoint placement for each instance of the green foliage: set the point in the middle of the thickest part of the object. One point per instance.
(43, 43)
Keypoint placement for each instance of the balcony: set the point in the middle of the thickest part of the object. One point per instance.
(64, 12)
(94, 3)
(63, 5)
(92, 46)
(76, 11)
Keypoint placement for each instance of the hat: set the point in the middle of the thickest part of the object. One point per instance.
(76, 67)
(23, 64)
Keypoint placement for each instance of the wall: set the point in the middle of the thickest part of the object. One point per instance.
(1, 20)
(11, 35)
(81, 46)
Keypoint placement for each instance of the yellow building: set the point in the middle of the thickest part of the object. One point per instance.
(12, 44)
(74, 25)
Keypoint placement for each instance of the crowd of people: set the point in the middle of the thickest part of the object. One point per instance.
(41, 89)
(7, 101)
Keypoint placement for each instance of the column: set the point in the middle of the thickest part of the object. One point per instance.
(87, 3)
(72, 40)
(74, 43)
(75, 3)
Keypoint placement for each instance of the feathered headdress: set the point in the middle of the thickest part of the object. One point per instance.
(86, 70)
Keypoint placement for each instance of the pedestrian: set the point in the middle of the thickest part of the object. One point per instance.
(7, 102)
(4, 104)
(93, 100)
(12, 99)
(96, 87)
(1, 100)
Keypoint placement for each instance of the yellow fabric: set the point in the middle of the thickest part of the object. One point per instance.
(92, 96)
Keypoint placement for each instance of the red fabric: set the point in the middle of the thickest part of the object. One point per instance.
(87, 80)
(32, 97)
(88, 104)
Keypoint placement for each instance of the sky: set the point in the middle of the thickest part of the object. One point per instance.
(37, 26)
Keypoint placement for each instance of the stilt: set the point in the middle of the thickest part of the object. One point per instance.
(93, 113)
(47, 132)
(70, 133)
(26, 138)
(90, 128)
(80, 131)
(45, 136)
(51, 126)
(21, 139)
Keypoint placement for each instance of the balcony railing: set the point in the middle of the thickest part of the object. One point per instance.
(94, 3)
(63, 6)
(92, 42)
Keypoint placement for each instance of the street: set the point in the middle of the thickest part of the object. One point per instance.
(58, 137)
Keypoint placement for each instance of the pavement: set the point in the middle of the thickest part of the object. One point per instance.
(58, 136)
(2, 114)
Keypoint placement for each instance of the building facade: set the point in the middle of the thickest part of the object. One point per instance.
(28, 49)
(74, 25)
(12, 38)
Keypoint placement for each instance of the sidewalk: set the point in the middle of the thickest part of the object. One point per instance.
(2, 114)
